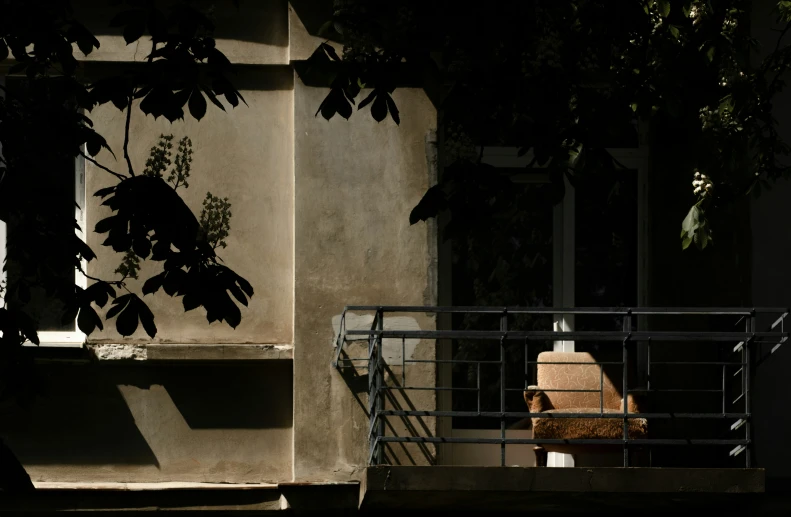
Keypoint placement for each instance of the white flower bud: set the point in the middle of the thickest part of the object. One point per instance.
(696, 183)
(703, 176)
(697, 175)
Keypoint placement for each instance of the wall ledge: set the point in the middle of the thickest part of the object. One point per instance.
(133, 352)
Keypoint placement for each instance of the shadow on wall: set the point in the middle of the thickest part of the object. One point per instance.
(83, 418)
(255, 21)
(396, 453)
(276, 77)
(233, 397)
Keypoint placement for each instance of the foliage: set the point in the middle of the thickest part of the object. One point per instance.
(215, 220)
(562, 79)
(45, 122)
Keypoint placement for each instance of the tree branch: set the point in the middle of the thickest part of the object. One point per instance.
(119, 283)
(777, 45)
(126, 135)
(119, 176)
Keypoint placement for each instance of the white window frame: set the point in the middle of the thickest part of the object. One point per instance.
(69, 339)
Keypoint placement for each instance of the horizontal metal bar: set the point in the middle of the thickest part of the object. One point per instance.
(615, 336)
(696, 363)
(595, 363)
(675, 390)
(515, 414)
(716, 311)
(425, 388)
(451, 361)
(553, 390)
(548, 441)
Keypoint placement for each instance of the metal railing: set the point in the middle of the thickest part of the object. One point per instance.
(746, 345)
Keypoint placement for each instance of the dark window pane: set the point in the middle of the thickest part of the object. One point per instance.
(40, 271)
(505, 259)
(606, 252)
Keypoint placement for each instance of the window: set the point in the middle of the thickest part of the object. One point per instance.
(588, 250)
(57, 197)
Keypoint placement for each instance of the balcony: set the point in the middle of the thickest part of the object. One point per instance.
(433, 387)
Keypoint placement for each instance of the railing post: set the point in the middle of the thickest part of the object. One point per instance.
(648, 392)
(372, 393)
(375, 401)
(627, 327)
(747, 379)
(380, 402)
(503, 328)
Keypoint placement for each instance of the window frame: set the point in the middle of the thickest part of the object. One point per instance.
(64, 339)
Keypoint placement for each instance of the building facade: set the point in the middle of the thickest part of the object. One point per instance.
(261, 418)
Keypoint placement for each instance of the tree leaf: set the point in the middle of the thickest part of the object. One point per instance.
(431, 204)
(330, 50)
(343, 106)
(664, 7)
(88, 320)
(197, 104)
(119, 304)
(691, 221)
(391, 106)
(126, 323)
(106, 224)
(213, 98)
(190, 302)
(104, 192)
(153, 284)
(367, 100)
(146, 318)
(379, 108)
(237, 293)
(134, 30)
(245, 285)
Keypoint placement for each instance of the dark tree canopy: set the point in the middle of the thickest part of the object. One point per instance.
(565, 80)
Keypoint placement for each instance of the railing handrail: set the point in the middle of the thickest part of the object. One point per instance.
(713, 311)
(376, 334)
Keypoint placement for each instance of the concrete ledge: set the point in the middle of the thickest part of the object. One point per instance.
(132, 352)
(52, 498)
(312, 498)
(57, 485)
(566, 489)
(201, 352)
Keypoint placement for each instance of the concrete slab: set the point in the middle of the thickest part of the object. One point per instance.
(558, 489)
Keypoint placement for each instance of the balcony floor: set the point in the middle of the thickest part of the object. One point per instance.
(548, 490)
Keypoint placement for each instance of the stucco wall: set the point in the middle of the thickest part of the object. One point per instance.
(355, 183)
(139, 423)
(254, 33)
(320, 220)
(245, 154)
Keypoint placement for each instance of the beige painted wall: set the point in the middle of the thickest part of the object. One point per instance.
(355, 183)
(255, 33)
(245, 154)
(320, 220)
(144, 423)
